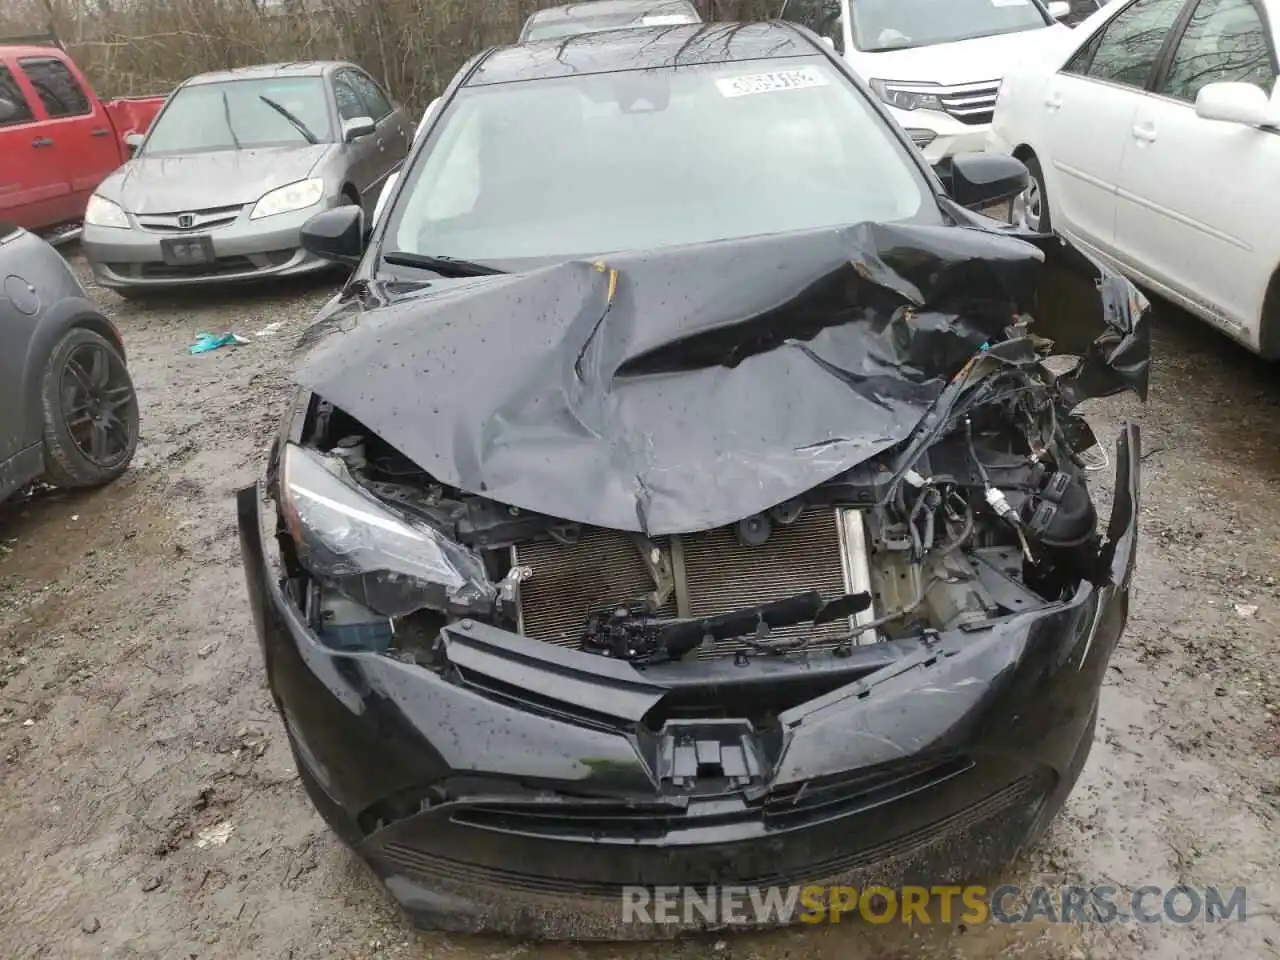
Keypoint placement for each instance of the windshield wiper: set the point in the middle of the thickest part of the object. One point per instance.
(895, 46)
(445, 266)
(297, 124)
(226, 112)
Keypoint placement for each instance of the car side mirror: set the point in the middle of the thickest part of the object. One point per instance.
(336, 234)
(1059, 9)
(132, 141)
(978, 180)
(357, 127)
(1231, 102)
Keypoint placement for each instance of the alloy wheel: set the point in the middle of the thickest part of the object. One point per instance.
(98, 404)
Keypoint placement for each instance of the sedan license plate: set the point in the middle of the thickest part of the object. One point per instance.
(187, 251)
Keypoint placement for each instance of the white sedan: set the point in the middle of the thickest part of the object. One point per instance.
(1153, 140)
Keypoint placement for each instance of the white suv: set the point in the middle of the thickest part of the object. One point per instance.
(937, 63)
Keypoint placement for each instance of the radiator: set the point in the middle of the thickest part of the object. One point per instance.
(823, 550)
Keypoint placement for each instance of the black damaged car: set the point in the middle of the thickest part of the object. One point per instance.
(677, 494)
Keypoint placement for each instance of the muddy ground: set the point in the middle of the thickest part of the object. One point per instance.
(149, 807)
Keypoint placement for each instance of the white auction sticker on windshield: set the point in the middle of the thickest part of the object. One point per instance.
(666, 20)
(798, 79)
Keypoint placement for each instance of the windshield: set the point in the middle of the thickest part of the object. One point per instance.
(644, 159)
(558, 29)
(560, 22)
(894, 24)
(237, 114)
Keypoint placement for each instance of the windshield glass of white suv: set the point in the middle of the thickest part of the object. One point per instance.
(638, 160)
(897, 24)
(561, 28)
(238, 114)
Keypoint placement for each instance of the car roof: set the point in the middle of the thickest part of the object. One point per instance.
(641, 48)
(594, 9)
(267, 71)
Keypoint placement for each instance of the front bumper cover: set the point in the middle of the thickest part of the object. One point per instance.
(246, 250)
(524, 790)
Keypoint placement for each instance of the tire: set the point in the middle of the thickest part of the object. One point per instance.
(1031, 208)
(1269, 329)
(90, 411)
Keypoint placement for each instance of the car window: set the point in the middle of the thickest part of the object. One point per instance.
(559, 23)
(350, 106)
(14, 108)
(880, 25)
(1130, 44)
(1079, 63)
(823, 17)
(684, 156)
(1225, 40)
(375, 101)
(56, 87)
(238, 114)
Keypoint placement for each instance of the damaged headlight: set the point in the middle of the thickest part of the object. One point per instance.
(392, 564)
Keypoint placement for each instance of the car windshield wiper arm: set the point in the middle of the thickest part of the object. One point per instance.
(446, 266)
(226, 112)
(297, 124)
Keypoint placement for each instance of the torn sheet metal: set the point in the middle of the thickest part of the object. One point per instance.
(684, 389)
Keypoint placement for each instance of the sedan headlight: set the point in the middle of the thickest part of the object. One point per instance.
(390, 562)
(291, 197)
(101, 212)
(906, 96)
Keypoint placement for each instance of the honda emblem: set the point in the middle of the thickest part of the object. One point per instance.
(186, 220)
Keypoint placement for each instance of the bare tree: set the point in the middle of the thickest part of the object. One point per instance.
(140, 47)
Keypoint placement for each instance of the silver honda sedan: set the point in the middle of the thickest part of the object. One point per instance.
(233, 166)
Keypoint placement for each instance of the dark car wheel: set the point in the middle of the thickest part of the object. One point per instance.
(1031, 207)
(90, 412)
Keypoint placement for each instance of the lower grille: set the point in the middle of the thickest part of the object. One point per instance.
(604, 570)
(981, 836)
(221, 266)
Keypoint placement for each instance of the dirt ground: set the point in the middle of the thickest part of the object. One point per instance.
(149, 807)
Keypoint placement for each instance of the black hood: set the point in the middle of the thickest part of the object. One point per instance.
(683, 389)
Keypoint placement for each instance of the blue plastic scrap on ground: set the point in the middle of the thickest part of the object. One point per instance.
(207, 341)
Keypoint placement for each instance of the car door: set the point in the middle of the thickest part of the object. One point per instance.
(364, 159)
(394, 133)
(1195, 213)
(1086, 114)
(84, 143)
(33, 192)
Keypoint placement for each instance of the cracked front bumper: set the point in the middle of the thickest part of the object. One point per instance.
(523, 789)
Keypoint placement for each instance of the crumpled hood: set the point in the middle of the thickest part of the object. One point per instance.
(965, 61)
(200, 181)
(684, 389)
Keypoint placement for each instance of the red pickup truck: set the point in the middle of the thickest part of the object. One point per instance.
(57, 139)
